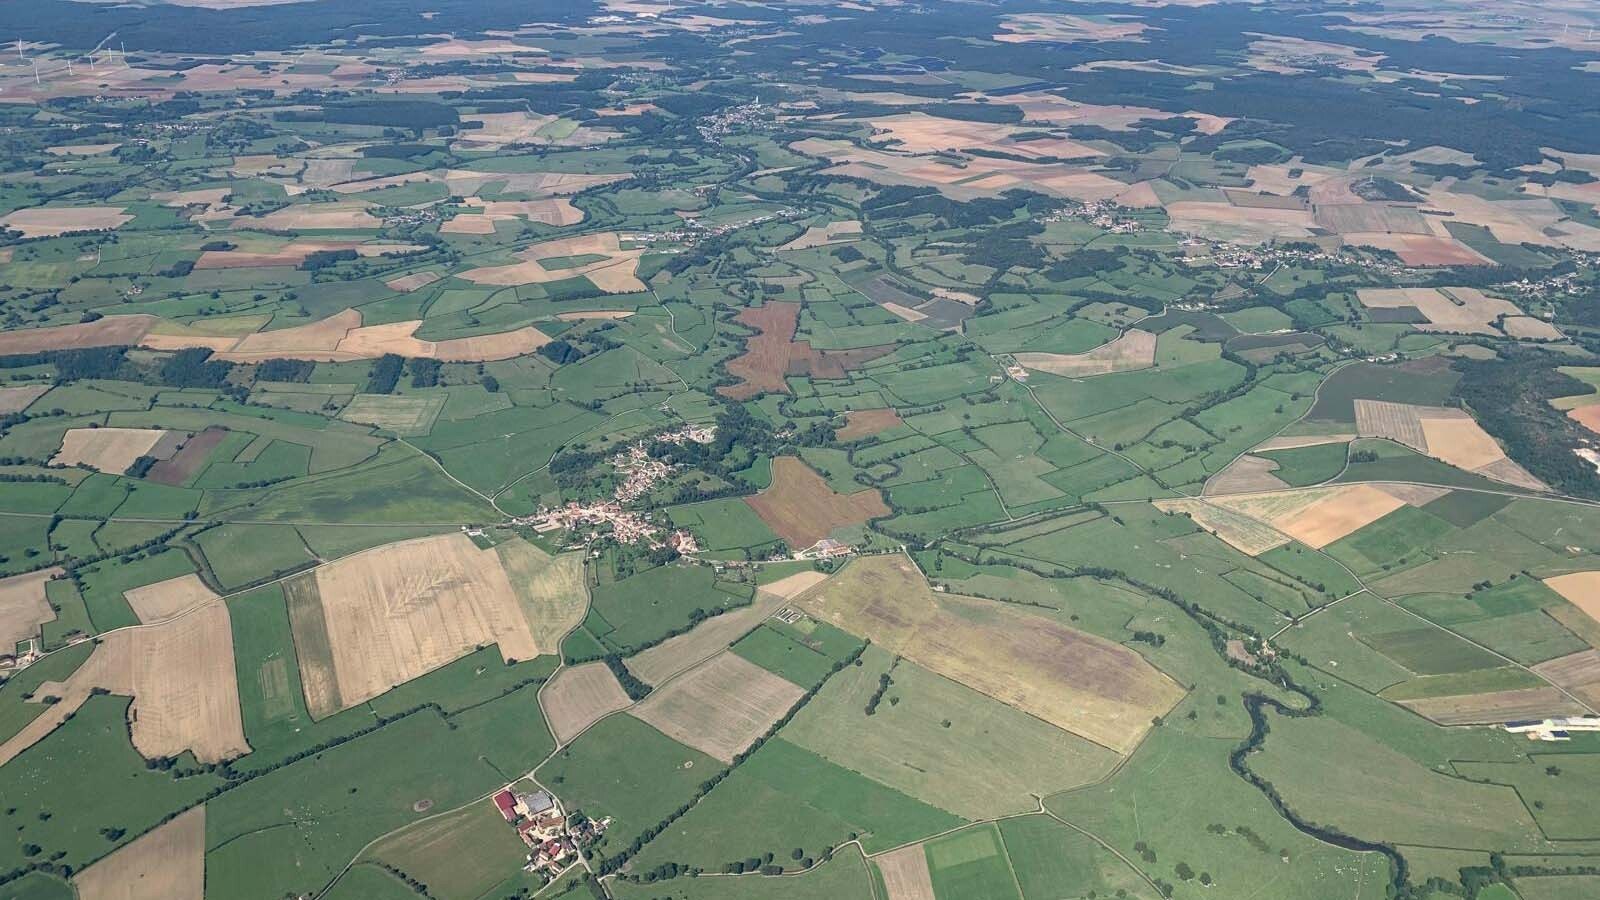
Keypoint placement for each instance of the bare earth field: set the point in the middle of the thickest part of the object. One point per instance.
(181, 677)
(615, 274)
(405, 284)
(16, 399)
(382, 617)
(24, 607)
(1577, 672)
(860, 423)
(110, 450)
(721, 707)
(823, 235)
(1083, 684)
(1495, 707)
(905, 873)
(163, 600)
(1247, 474)
(107, 332)
(166, 863)
(1135, 349)
(800, 507)
(578, 697)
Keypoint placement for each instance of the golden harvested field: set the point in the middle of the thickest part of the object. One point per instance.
(551, 589)
(166, 863)
(1455, 310)
(17, 399)
(614, 274)
(1135, 349)
(342, 338)
(860, 423)
(1292, 442)
(1227, 222)
(1084, 684)
(385, 616)
(181, 677)
(583, 315)
(579, 696)
(51, 221)
(1022, 28)
(800, 507)
(163, 600)
(1238, 531)
(720, 707)
(1581, 589)
(404, 415)
(701, 642)
(107, 332)
(1448, 435)
(24, 607)
(905, 873)
(110, 450)
(1315, 517)
(1495, 707)
(468, 223)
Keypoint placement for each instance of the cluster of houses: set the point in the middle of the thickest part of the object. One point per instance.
(554, 839)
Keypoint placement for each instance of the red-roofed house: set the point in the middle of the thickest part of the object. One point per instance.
(507, 803)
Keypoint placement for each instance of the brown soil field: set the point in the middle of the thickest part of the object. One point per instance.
(17, 399)
(1246, 475)
(81, 149)
(1581, 589)
(190, 458)
(24, 607)
(109, 450)
(578, 697)
(905, 873)
(860, 423)
(111, 331)
(390, 614)
(551, 589)
(405, 284)
(49, 222)
(1315, 516)
(801, 508)
(181, 677)
(1576, 672)
(163, 600)
(701, 642)
(1494, 708)
(720, 707)
(1084, 684)
(1422, 250)
(1587, 416)
(1238, 531)
(765, 361)
(772, 353)
(1135, 349)
(614, 274)
(165, 863)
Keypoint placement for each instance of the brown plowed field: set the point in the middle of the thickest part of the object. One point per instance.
(765, 360)
(189, 459)
(772, 353)
(721, 707)
(1495, 707)
(578, 697)
(860, 423)
(167, 863)
(1078, 682)
(800, 507)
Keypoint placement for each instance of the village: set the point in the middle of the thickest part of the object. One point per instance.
(640, 473)
(554, 837)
